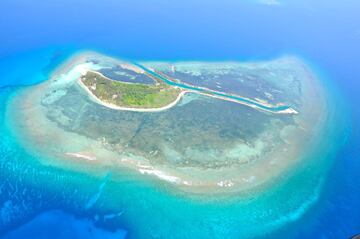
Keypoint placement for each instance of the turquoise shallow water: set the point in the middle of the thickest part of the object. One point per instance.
(142, 207)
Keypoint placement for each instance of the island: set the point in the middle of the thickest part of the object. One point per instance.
(200, 127)
(130, 96)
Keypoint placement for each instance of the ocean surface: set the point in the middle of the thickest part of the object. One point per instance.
(41, 201)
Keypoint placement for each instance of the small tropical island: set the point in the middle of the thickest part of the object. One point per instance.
(203, 127)
(123, 95)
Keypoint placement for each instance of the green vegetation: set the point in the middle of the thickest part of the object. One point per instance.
(130, 95)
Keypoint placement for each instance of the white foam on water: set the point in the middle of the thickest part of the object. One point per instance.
(161, 175)
(79, 155)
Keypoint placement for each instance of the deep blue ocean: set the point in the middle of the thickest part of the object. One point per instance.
(36, 36)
